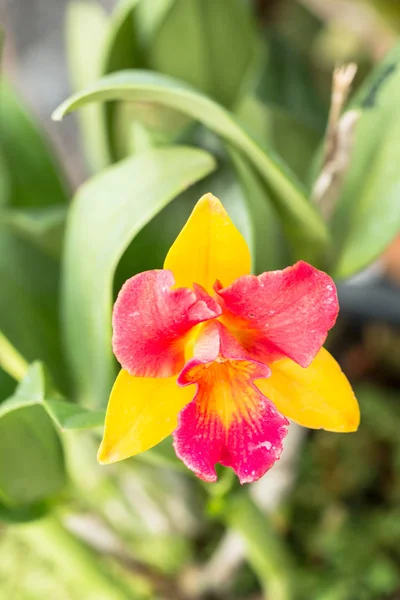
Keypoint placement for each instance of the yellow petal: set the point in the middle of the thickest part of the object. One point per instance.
(319, 397)
(209, 247)
(142, 411)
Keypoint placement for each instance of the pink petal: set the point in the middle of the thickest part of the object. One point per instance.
(281, 313)
(229, 421)
(151, 320)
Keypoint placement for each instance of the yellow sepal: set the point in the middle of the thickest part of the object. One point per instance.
(209, 247)
(319, 397)
(141, 412)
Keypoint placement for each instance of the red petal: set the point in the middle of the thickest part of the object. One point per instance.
(281, 313)
(151, 320)
(229, 421)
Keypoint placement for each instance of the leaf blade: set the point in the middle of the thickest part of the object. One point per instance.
(367, 215)
(32, 471)
(67, 415)
(87, 28)
(159, 176)
(304, 223)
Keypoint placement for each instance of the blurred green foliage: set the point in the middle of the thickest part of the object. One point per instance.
(227, 96)
(343, 517)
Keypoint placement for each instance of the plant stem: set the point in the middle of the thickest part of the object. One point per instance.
(265, 551)
(11, 360)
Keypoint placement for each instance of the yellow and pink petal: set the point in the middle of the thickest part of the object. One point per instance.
(281, 314)
(151, 321)
(229, 421)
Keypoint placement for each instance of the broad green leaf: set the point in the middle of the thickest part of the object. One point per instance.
(150, 16)
(210, 44)
(112, 45)
(28, 234)
(87, 27)
(32, 470)
(68, 415)
(266, 231)
(369, 209)
(122, 50)
(34, 176)
(302, 223)
(133, 29)
(367, 215)
(24, 513)
(31, 456)
(44, 227)
(32, 390)
(29, 297)
(107, 213)
(36, 389)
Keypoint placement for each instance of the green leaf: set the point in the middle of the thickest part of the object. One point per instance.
(34, 469)
(67, 415)
(44, 227)
(35, 194)
(87, 28)
(34, 176)
(150, 16)
(31, 391)
(367, 215)
(24, 513)
(29, 298)
(106, 214)
(267, 236)
(303, 225)
(122, 50)
(210, 61)
(133, 27)
(37, 389)
(31, 456)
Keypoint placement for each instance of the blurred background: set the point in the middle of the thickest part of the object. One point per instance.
(324, 523)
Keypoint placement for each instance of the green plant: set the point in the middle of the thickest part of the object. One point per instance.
(175, 98)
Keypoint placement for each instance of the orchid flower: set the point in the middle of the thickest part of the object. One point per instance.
(220, 358)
